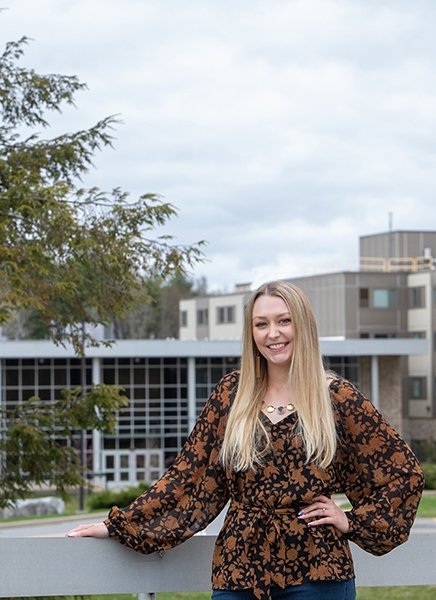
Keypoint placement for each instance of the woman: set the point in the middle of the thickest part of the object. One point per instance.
(278, 439)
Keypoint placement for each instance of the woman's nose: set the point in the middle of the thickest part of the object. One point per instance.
(274, 331)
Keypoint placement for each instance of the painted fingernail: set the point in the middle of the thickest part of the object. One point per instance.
(300, 513)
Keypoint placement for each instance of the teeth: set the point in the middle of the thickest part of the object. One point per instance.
(275, 346)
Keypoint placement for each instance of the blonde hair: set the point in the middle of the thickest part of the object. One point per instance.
(246, 440)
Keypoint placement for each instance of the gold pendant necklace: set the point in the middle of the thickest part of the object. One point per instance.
(280, 409)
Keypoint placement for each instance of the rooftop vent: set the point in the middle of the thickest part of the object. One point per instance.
(243, 287)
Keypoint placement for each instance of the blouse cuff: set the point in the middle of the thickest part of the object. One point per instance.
(110, 527)
(114, 519)
(351, 523)
(127, 533)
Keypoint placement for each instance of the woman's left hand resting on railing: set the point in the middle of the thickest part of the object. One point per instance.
(96, 530)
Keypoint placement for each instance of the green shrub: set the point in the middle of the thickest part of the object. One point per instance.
(430, 475)
(109, 498)
(425, 450)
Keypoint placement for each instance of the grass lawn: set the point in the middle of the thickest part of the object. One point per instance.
(427, 507)
(425, 592)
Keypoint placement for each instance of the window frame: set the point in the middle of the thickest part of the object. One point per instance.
(226, 314)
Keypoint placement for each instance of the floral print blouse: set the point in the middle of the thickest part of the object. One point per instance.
(262, 542)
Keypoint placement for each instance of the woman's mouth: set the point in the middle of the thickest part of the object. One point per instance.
(277, 346)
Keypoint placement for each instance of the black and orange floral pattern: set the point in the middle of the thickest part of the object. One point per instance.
(262, 542)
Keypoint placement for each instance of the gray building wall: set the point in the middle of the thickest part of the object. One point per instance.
(398, 244)
(335, 298)
(328, 298)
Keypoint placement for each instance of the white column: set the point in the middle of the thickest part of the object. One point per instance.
(97, 466)
(375, 396)
(191, 393)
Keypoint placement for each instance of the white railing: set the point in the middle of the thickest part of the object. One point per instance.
(62, 566)
(394, 264)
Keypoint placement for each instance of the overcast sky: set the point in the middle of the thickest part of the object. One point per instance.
(282, 130)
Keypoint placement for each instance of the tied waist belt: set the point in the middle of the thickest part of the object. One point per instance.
(263, 523)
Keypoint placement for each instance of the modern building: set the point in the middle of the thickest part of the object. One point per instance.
(167, 383)
(377, 328)
(391, 296)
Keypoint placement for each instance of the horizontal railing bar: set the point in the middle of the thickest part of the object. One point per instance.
(64, 566)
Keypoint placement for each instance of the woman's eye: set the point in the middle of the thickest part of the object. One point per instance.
(260, 324)
(285, 321)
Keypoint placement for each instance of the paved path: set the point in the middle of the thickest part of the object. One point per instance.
(53, 526)
(58, 526)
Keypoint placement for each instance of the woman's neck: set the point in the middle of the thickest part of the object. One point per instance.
(278, 377)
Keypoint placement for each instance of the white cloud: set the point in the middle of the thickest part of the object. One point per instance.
(282, 130)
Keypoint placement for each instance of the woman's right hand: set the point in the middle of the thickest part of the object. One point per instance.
(96, 530)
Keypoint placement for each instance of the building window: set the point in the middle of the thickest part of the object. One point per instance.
(156, 418)
(384, 336)
(421, 335)
(208, 371)
(364, 297)
(202, 316)
(384, 298)
(345, 366)
(45, 378)
(225, 314)
(418, 388)
(183, 318)
(417, 297)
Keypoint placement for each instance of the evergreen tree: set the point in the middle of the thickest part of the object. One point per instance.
(72, 254)
(159, 318)
(68, 256)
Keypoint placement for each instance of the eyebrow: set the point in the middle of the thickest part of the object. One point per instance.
(285, 314)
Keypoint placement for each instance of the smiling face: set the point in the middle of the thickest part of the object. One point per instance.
(272, 329)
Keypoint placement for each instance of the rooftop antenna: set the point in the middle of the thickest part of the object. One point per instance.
(391, 237)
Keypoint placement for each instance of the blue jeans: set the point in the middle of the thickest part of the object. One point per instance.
(320, 590)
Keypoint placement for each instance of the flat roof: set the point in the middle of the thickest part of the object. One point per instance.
(203, 348)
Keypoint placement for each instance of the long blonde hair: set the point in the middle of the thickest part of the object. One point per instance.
(246, 439)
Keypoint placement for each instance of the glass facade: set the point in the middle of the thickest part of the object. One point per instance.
(44, 378)
(346, 366)
(153, 427)
(150, 430)
(156, 417)
(208, 371)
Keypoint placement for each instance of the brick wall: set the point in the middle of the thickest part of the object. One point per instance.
(390, 384)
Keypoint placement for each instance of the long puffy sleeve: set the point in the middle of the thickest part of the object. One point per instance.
(379, 473)
(189, 495)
